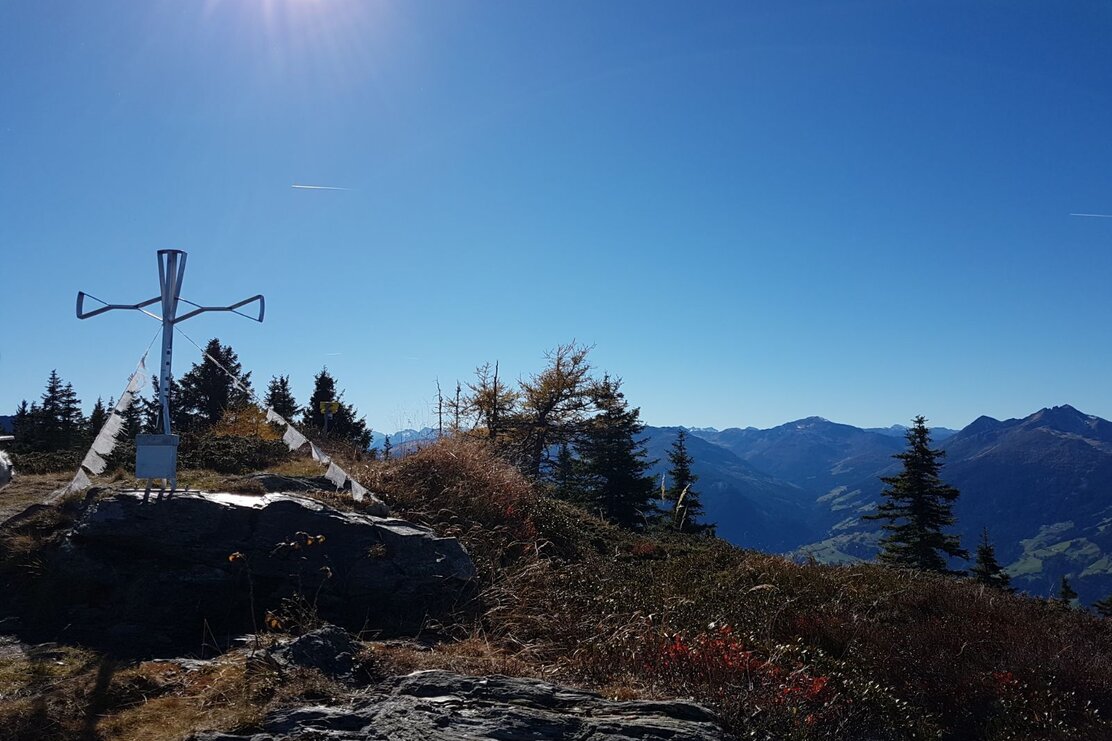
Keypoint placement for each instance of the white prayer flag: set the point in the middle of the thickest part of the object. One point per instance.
(273, 416)
(336, 475)
(112, 426)
(94, 463)
(138, 378)
(318, 455)
(80, 482)
(124, 403)
(293, 438)
(357, 491)
(103, 444)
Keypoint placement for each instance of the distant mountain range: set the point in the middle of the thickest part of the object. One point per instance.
(403, 437)
(1042, 485)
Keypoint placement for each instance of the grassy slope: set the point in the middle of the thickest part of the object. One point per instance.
(777, 649)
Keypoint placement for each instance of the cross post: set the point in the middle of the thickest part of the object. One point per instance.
(156, 455)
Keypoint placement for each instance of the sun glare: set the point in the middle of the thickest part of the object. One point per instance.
(333, 40)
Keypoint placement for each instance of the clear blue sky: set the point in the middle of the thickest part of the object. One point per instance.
(756, 211)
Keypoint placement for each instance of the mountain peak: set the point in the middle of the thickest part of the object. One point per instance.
(809, 422)
(1064, 418)
(983, 423)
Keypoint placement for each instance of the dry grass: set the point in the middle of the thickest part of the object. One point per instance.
(67, 693)
(474, 655)
(812, 651)
(28, 489)
(303, 466)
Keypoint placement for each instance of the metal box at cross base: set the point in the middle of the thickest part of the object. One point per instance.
(156, 457)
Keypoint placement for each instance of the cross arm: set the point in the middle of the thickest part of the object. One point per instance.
(233, 308)
(82, 314)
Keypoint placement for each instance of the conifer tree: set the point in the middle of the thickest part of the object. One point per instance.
(687, 509)
(279, 397)
(25, 427)
(97, 417)
(567, 476)
(490, 402)
(345, 424)
(386, 448)
(208, 390)
(57, 423)
(49, 418)
(917, 507)
(1104, 606)
(133, 418)
(73, 422)
(987, 569)
(150, 409)
(1066, 593)
(553, 405)
(614, 457)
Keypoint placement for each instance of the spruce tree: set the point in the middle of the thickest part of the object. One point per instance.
(1066, 593)
(25, 427)
(208, 390)
(133, 418)
(72, 422)
(150, 409)
(687, 510)
(386, 448)
(49, 422)
(1104, 607)
(917, 507)
(345, 424)
(97, 417)
(567, 476)
(987, 569)
(57, 422)
(614, 457)
(279, 397)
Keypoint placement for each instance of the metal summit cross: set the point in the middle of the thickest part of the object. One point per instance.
(156, 456)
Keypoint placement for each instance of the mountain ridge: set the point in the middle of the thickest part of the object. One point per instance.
(1050, 471)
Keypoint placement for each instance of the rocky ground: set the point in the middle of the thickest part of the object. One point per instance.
(446, 706)
(239, 575)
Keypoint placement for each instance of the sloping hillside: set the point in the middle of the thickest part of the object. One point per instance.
(1042, 485)
(749, 506)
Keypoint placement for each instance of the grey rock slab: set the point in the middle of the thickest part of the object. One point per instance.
(146, 569)
(330, 650)
(444, 706)
(273, 482)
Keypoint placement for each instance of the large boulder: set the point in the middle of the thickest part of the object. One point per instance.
(444, 706)
(154, 574)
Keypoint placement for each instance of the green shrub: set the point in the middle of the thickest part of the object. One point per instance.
(230, 455)
(53, 462)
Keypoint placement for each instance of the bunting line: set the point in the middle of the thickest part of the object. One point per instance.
(294, 440)
(104, 443)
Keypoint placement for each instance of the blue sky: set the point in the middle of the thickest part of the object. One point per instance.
(756, 211)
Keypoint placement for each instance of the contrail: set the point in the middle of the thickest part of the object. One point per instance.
(1095, 216)
(317, 187)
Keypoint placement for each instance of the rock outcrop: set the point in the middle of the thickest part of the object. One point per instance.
(443, 706)
(149, 575)
(331, 650)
